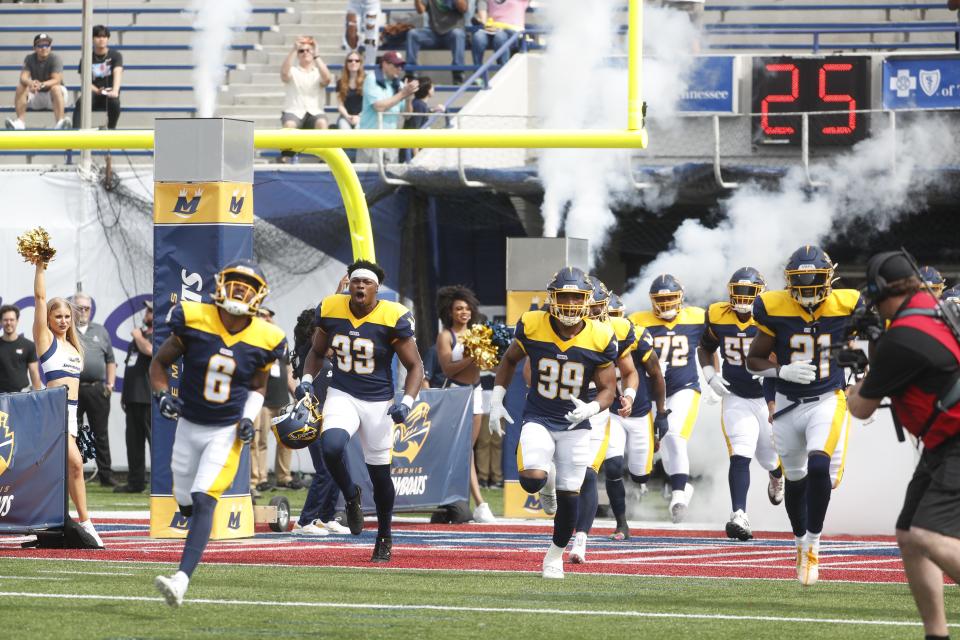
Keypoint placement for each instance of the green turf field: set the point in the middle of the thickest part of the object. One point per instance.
(285, 602)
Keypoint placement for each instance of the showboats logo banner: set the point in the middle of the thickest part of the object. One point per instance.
(431, 452)
(33, 459)
(921, 82)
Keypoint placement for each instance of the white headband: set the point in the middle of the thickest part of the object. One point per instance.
(365, 273)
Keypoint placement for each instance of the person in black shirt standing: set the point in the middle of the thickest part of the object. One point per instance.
(135, 400)
(18, 356)
(107, 77)
(916, 363)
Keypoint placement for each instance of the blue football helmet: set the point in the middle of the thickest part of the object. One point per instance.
(933, 281)
(240, 288)
(576, 287)
(809, 275)
(615, 308)
(299, 424)
(599, 300)
(952, 294)
(666, 296)
(745, 285)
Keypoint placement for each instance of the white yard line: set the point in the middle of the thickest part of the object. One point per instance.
(88, 573)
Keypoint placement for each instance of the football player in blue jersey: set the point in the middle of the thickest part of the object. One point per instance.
(802, 325)
(364, 334)
(676, 331)
(601, 424)
(952, 294)
(227, 353)
(567, 350)
(744, 417)
(632, 434)
(933, 280)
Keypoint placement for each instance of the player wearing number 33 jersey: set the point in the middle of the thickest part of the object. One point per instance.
(676, 332)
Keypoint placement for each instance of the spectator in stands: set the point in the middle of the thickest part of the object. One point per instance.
(498, 21)
(18, 356)
(370, 9)
(419, 105)
(135, 401)
(97, 382)
(383, 92)
(350, 91)
(280, 385)
(41, 85)
(444, 31)
(306, 83)
(107, 78)
(694, 11)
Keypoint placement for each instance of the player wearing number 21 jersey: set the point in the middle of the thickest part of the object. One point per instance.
(364, 333)
(676, 332)
(227, 353)
(567, 350)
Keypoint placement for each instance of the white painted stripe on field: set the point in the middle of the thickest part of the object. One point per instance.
(88, 573)
(446, 608)
(30, 578)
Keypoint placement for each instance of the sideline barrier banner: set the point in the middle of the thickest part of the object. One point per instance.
(431, 453)
(33, 460)
(921, 83)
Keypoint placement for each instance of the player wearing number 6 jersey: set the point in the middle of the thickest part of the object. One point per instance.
(802, 326)
(567, 350)
(227, 354)
(364, 333)
(676, 332)
(743, 414)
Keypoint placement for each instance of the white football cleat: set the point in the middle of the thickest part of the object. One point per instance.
(578, 553)
(739, 526)
(172, 588)
(483, 514)
(775, 490)
(311, 529)
(553, 563)
(679, 502)
(334, 527)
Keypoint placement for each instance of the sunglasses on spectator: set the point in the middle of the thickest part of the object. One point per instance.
(352, 60)
(44, 45)
(304, 51)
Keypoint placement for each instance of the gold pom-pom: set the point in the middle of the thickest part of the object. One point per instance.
(478, 344)
(35, 247)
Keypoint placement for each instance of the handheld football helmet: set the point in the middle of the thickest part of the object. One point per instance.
(745, 285)
(299, 424)
(933, 281)
(575, 287)
(666, 296)
(240, 288)
(809, 275)
(952, 294)
(615, 308)
(599, 301)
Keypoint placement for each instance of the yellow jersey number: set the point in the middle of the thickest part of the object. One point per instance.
(353, 355)
(559, 380)
(673, 350)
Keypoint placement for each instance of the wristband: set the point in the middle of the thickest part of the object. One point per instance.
(306, 378)
(252, 406)
(630, 392)
(407, 401)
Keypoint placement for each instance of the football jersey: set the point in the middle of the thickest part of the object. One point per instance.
(800, 335)
(561, 369)
(363, 347)
(676, 344)
(734, 337)
(218, 366)
(640, 354)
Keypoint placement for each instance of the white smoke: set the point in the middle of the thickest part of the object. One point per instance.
(761, 227)
(582, 89)
(215, 24)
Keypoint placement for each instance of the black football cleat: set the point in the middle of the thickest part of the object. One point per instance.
(382, 550)
(355, 514)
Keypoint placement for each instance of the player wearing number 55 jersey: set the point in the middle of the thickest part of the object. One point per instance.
(364, 333)
(567, 350)
(802, 325)
(743, 414)
(676, 332)
(227, 354)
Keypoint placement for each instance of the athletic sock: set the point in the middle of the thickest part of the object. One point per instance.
(617, 495)
(795, 501)
(201, 523)
(739, 478)
(333, 444)
(819, 488)
(587, 502)
(565, 519)
(678, 481)
(384, 495)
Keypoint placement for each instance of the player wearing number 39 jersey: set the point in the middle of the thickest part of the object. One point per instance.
(676, 332)
(567, 351)
(803, 325)
(227, 353)
(364, 333)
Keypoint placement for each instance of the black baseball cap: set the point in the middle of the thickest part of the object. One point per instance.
(40, 37)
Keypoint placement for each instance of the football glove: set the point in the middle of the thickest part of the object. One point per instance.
(800, 372)
(245, 430)
(661, 424)
(582, 411)
(498, 411)
(716, 381)
(398, 412)
(170, 406)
